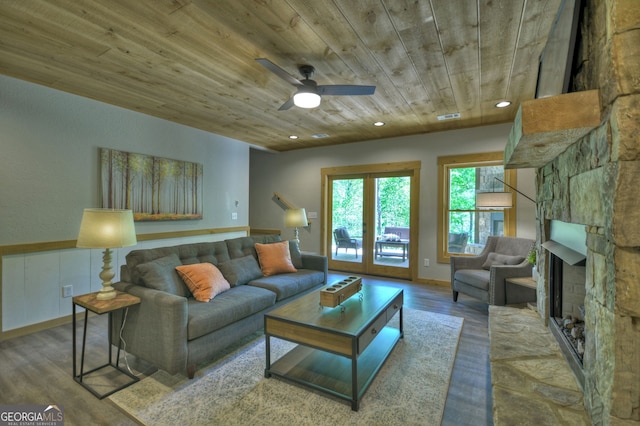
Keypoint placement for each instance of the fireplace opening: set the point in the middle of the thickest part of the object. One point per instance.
(566, 310)
(567, 279)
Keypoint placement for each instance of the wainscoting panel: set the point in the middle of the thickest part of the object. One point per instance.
(13, 294)
(32, 282)
(80, 268)
(41, 284)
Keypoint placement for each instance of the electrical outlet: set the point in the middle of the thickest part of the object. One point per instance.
(234, 216)
(67, 291)
(426, 263)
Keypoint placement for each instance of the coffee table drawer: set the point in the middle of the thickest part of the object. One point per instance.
(370, 333)
(396, 305)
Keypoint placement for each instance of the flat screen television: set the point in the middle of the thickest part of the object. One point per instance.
(556, 60)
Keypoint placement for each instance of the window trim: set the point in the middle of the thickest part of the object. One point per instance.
(469, 160)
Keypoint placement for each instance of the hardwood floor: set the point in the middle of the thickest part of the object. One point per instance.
(37, 369)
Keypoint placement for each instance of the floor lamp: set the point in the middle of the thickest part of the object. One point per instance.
(498, 200)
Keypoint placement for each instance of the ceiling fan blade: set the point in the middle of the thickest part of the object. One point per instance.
(279, 71)
(286, 105)
(346, 90)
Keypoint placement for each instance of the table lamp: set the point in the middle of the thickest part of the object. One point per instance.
(106, 229)
(295, 218)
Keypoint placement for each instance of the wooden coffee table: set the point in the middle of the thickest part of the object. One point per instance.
(339, 352)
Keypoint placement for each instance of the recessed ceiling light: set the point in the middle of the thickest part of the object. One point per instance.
(379, 123)
(293, 137)
(503, 104)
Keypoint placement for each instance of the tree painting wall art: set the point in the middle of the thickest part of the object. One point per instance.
(154, 188)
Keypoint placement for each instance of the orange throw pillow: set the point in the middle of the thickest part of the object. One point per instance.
(275, 258)
(204, 280)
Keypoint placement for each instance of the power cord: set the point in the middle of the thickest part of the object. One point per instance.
(124, 344)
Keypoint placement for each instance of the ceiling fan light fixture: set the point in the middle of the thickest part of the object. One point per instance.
(308, 93)
(306, 99)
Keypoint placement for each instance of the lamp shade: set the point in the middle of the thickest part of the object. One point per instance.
(494, 200)
(106, 228)
(295, 218)
(306, 99)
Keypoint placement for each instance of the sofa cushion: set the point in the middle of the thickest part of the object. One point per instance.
(160, 274)
(244, 246)
(241, 270)
(266, 239)
(212, 252)
(501, 259)
(287, 285)
(478, 278)
(296, 256)
(274, 258)
(204, 280)
(226, 308)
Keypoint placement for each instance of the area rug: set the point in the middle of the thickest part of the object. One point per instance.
(411, 387)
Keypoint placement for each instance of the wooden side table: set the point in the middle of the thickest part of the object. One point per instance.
(381, 244)
(91, 303)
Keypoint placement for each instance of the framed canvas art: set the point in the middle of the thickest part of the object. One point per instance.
(154, 188)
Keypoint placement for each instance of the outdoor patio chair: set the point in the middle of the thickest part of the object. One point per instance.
(458, 242)
(343, 240)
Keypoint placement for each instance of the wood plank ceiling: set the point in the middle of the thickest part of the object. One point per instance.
(193, 61)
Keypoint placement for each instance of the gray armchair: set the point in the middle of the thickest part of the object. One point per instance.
(483, 276)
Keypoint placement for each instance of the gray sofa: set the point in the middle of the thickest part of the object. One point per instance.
(175, 332)
(483, 276)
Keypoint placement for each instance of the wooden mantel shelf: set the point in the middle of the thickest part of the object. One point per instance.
(546, 127)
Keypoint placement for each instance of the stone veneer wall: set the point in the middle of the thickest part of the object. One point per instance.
(596, 182)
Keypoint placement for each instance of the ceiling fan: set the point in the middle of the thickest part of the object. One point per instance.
(309, 92)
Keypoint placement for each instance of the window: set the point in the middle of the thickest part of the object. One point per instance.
(463, 228)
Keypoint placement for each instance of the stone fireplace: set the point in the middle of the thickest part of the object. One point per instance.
(594, 184)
